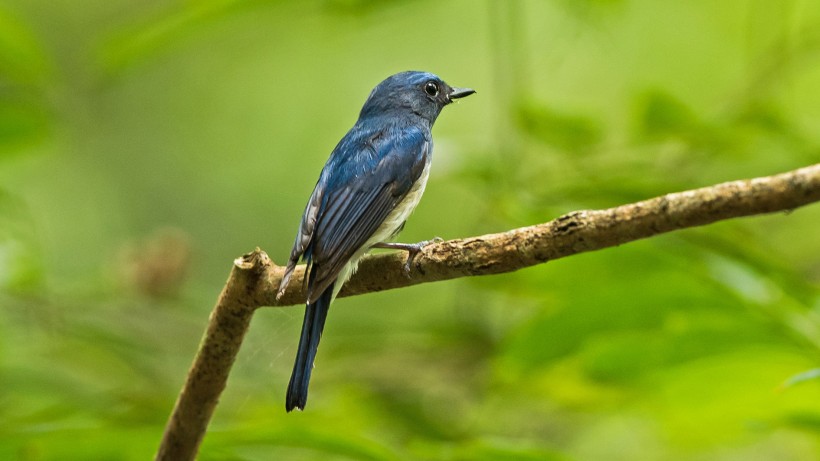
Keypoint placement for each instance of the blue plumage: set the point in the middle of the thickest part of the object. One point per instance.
(371, 183)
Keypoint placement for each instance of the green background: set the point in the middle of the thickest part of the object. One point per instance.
(146, 144)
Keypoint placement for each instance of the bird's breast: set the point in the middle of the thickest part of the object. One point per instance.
(394, 221)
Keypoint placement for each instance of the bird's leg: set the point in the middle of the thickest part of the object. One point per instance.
(412, 249)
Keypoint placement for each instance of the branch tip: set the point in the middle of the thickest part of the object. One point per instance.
(256, 259)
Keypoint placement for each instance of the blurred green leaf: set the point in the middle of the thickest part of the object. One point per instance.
(573, 133)
(802, 378)
(661, 115)
(24, 71)
(22, 57)
(21, 268)
(21, 123)
(154, 35)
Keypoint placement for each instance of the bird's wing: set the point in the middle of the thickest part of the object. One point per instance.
(365, 186)
(305, 232)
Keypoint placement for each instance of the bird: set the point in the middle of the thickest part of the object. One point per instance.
(371, 183)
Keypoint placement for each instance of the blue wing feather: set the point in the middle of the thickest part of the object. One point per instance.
(370, 173)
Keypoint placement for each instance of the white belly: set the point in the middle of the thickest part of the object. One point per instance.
(393, 222)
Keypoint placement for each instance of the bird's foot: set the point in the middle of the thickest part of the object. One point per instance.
(412, 249)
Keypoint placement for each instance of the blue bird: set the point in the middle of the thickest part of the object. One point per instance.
(371, 183)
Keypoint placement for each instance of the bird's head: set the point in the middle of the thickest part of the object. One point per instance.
(412, 92)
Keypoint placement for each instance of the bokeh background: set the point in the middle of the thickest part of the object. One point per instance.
(146, 144)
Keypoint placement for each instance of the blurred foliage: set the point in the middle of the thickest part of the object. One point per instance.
(144, 145)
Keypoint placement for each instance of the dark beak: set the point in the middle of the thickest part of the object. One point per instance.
(460, 93)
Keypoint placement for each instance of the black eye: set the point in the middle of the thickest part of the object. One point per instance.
(431, 88)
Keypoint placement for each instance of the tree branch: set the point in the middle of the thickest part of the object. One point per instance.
(254, 279)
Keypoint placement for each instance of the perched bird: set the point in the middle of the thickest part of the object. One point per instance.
(371, 183)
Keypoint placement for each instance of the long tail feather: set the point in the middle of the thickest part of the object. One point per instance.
(314, 323)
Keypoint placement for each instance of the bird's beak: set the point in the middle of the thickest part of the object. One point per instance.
(460, 93)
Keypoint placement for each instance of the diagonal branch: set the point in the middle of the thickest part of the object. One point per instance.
(254, 279)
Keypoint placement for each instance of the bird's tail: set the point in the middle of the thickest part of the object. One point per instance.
(315, 315)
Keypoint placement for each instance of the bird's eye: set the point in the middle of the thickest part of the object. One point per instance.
(431, 89)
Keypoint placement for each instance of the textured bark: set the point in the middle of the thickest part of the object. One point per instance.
(254, 280)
